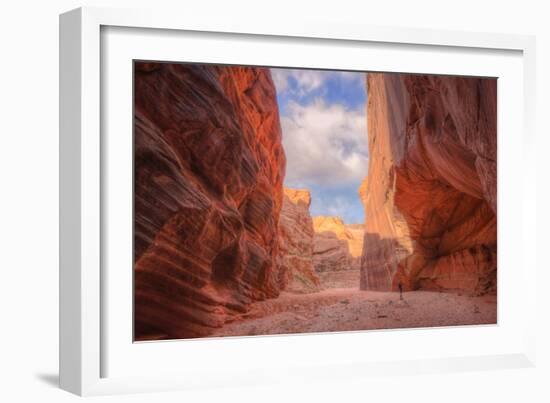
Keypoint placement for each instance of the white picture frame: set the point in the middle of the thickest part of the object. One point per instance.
(85, 343)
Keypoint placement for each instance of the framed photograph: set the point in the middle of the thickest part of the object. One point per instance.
(237, 197)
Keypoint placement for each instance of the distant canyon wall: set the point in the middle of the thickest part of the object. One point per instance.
(430, 198)
(296, 242)
(337, 246)
(310, 246)
(209, 168)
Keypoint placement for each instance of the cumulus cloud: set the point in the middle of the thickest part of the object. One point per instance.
(324, 126)
(301, 83)
(325, 144)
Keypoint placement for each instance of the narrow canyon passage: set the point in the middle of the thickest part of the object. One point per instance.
(322, 261)
(253, 213)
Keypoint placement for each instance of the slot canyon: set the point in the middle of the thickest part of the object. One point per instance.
(222, 247)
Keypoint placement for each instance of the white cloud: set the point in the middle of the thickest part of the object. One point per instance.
(308, 80)
(324, 144)
(280, 79)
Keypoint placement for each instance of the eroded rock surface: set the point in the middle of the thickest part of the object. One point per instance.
(296, 242)
(430, 200)
(209, 168)
(337, 246)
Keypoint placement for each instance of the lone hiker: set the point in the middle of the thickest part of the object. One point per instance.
(400, 290)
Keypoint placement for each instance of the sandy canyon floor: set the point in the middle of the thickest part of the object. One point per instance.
(342, 306)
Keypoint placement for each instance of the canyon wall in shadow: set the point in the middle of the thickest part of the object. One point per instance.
(209, 168)
(430, 197)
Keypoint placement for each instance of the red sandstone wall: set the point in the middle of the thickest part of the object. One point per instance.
(209, 167)
(430, 200)
(296, 242)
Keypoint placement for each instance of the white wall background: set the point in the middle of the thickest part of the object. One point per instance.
(29, 198)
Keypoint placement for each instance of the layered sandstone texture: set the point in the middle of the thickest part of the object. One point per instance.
(430, 201)
(337, 246)
(209, 167)
(296, 242)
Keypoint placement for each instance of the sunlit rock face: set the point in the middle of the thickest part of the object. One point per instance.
(430, 200)
(209, 168)
(296, 242)
(354, 234)
(337, 246)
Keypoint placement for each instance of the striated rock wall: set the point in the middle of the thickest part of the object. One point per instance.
(296, 242)
(209, 167)
(430, 200)
(337, 246)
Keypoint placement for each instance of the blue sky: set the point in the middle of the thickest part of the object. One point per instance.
(324, 124)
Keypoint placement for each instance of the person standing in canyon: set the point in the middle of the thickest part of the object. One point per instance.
(400, 285)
